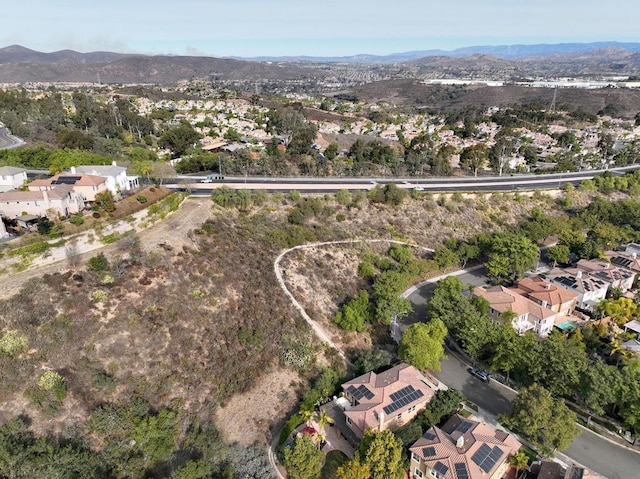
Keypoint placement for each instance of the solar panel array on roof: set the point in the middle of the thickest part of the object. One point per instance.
(360, 392)
(440, 468)
(429, 451)
(464, 426)
(405, 396)
(486, 458)
(461, 470)
(622, 261)
(66, 180)
(429, 436)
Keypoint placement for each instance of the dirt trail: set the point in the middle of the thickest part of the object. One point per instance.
(172, 231)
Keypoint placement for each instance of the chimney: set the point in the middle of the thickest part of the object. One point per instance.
(634, 255)
(113, 163)
(460, 442)
(73, 170)
(579, 274)
(547, 286)
(381, 421)
(544, 304)
(606, 265)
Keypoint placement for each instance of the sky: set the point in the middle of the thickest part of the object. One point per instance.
(300, 27)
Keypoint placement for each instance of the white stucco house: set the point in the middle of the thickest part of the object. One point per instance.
(12, 177)
(117, 178)
(59, 201)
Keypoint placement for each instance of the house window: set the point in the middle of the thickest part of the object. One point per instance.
(417, 472)
(399, 416)
(348, 419)
(414, 457)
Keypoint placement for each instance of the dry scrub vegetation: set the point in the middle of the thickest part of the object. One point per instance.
(206, 329)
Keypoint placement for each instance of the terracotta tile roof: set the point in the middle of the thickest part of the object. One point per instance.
(82, 180)
(540, 290)
(58, 192)
(458, 441)
(503, 299)
(370, 404)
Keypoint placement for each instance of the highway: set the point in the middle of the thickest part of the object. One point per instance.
(589, 449)
(333, 184)
(7, 140)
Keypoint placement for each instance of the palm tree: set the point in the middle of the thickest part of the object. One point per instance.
(519, 461)
(306, 415)
(323, 419)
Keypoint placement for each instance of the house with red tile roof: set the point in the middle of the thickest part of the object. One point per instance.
(88, 186)
(464, 448)
(529, 315)
(547, 294)
(385, 400)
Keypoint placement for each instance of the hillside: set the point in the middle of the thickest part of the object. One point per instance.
(20, 65)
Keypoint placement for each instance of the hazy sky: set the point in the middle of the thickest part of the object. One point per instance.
(297, 27)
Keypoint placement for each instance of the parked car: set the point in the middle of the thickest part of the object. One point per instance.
(208, 179)
(480, 374)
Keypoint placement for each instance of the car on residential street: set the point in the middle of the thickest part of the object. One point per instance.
(480, 374)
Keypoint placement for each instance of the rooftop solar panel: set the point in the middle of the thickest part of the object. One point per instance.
(440, 468)
(464, 426)
(429, 436)
(481, 454)
(429, 451)
(461, 470)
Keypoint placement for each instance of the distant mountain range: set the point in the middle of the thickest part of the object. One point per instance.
(21, 65)
(507, 52)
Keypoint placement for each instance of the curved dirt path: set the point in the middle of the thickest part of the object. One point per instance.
(317, 328)
(173, 230)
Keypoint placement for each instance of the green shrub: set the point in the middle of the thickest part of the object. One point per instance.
(77, 219)
(11, 343)
(98, 263)
(99, 296)
(141, 199)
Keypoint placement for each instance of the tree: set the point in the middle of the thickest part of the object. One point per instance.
(331, 151)
(373, 359)
(355, 313)
(542, 419)
(621, 310)
(505, 357)
(502, 152)
(303, 460)
(511, 255)
(105, 201)
(519, 461)
(353, 469)
(445, 403)
(422, 345)
(179, 139)
(558, 254)
(599, 386)
(474, 157)
(381, 452)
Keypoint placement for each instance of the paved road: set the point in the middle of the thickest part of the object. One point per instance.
(7, 140)
(325, 185)
(591, 450)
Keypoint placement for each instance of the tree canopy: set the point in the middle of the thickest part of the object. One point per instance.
(422, 345)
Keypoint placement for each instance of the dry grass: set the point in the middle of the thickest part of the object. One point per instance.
(202, 323)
